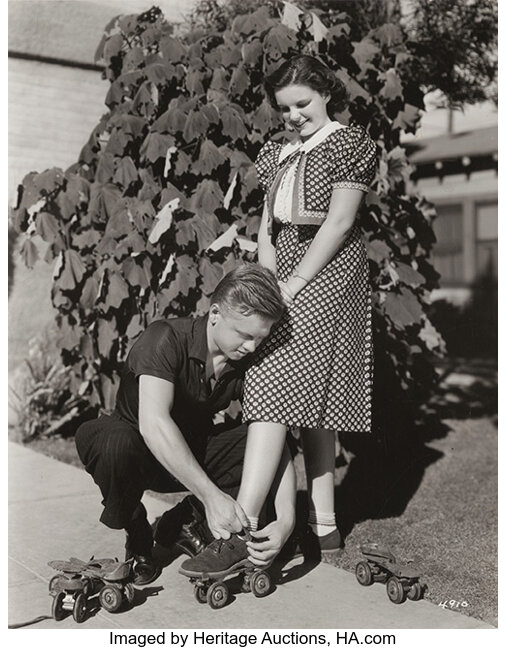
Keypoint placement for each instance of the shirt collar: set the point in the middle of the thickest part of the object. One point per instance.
(314, 140)
(197, 347)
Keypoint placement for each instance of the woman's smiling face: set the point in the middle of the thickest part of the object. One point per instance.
(303, 108)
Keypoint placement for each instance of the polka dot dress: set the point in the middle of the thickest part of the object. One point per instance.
(315, 368)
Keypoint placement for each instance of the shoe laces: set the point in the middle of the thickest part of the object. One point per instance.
(217, 545)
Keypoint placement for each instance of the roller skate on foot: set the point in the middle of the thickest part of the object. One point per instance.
(219, 560)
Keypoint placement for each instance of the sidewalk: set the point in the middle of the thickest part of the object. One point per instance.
(53, 514)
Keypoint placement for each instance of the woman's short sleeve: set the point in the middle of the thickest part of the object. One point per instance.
(266, 164)
(353, 159)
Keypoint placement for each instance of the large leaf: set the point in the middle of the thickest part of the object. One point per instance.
(207, 197)
(137, 271)
(155, 146)
(126, 173)
(279, 42)
(118, 290)
(48, 227)
(89, 293)
(72, 271)
(378, 250)
(409, 275)
(239, 81)
(195, 79)
(211, 275)
(220, 80)
(403, 308)
(196, 125)
(29, 253)
(233, 124)
(210, 158)
(393, 86)
(172, 49)
(252, 52)
(106, 336)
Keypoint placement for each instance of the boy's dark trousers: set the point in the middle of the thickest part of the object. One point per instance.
(115, 454)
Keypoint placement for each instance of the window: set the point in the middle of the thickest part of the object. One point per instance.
(486, 239)
(447, 254)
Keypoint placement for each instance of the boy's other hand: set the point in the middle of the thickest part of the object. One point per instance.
(270, 541)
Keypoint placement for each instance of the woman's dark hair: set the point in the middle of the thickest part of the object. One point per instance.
(305, 70)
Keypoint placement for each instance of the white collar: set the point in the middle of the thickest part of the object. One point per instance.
(314, 140)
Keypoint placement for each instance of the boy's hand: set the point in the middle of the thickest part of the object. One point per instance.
(224, 515)
(273, 537)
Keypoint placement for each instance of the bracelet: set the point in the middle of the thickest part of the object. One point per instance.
(300, 277)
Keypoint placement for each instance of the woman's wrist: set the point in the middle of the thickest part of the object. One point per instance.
(296, 283)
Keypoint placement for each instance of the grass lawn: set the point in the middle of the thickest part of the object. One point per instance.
(434, 500)
(449, 525)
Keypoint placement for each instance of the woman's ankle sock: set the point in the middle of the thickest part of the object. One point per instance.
(252, 523)
(322, 523)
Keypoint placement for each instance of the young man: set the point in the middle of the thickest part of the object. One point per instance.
(160, 435)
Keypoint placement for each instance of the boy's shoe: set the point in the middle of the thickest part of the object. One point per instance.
(146, 570)
(219, 558)
(170, 523)
(192, 539)
(183, 527)
(316, 547)
(139, 547)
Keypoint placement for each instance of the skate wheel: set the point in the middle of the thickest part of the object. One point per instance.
(246, 584)
(260, 584)
(53, 584)
(217, 595)
(415, 592)
(129, 593)
(395, 590)
(87, 586)
(57, 606)
(200, 594)
(363, 573)
(79, 610)
(110, 598)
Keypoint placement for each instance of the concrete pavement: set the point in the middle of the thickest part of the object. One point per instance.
(53, 514)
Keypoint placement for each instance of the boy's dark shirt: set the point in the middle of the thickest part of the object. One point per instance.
(176, 350)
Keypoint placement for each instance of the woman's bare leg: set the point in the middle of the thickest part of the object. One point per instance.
(264, 447)
(319, 459)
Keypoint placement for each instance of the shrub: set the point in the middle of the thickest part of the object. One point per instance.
(41, 396)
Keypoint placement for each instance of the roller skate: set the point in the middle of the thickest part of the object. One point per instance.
(80, 580)
(402, 579)
(221, 559)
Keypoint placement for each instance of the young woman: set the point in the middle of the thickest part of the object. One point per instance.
(314, 372)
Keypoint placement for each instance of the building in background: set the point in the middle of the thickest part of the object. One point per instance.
(458, 173)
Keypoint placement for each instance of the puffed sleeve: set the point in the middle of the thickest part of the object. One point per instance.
(266, 164)
(352, 157)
